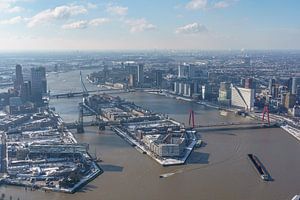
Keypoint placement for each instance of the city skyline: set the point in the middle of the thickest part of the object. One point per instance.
(128, 25)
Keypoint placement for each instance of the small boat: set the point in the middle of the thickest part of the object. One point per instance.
(223, 113)
(166, 175)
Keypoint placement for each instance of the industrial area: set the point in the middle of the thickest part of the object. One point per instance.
(38, 152)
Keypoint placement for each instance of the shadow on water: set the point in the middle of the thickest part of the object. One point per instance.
(220, 132)
(270, 178)
(198, 158)
(111, 168)
(88, 188)
(203, 144)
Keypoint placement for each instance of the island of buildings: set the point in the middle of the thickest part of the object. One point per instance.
(164, 139)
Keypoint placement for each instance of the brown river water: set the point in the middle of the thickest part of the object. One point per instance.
(219, 169)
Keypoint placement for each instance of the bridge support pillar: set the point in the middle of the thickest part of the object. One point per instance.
(80, 128)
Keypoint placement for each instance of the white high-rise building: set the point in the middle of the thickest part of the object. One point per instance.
(242, 97)
(182, 71)
(176, 87)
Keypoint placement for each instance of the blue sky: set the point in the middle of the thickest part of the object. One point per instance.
(149, 24)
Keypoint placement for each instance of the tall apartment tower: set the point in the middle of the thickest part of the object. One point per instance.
(38, 83)
(186, 71)
(26, 91)
(249, 83)
(140, 74)
(19, 78)
(295, 84)
(158, 78)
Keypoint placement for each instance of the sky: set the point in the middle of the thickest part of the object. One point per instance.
(149, 24)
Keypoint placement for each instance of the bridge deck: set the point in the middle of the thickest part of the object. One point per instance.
(235, 127)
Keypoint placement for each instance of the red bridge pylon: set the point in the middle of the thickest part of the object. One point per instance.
(266, 110)
(192, 119)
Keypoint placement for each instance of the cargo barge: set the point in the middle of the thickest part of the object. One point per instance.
(259, 168)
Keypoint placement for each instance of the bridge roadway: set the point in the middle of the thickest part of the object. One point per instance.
(79, 94)
(235, 126)
(107, 91)
(73, 125)
(200, 128)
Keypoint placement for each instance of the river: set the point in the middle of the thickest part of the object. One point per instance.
(218, 170)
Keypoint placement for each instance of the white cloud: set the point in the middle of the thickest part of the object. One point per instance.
(205, 4)
(139, 25)
(76, 25)
(60, 12)
(117, 10)
(98, 21)
(196, 4)
(11, 21)
(192, 28)
(83, 24)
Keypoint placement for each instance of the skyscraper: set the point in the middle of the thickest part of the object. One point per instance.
(224, 93)
(295, 84)
(192, 71)
(19, 78)
(140, 74)
(38, 84)
(158, 78)
(290, 100)
(183, 71)
(186, 71)
(272, 82)
(26, 91)
(242, 97)
(132, 80)
(249, 84)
